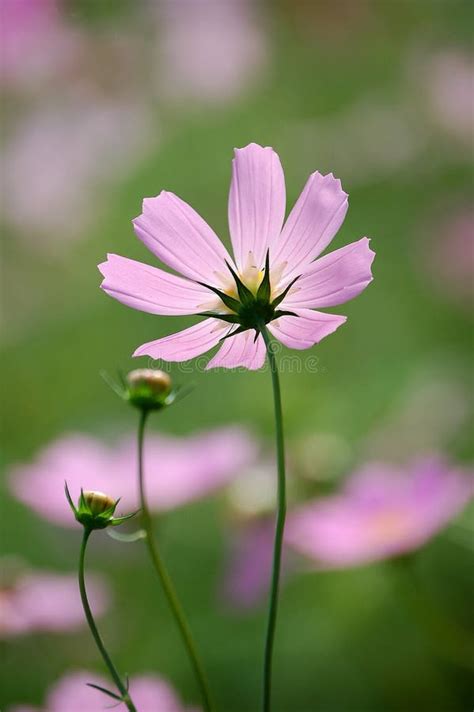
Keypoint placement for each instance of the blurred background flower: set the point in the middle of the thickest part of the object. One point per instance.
(72, 694)
(38, 601)
(108, 102)
(177, 471)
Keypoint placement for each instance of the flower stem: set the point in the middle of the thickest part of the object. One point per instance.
(93, 628)
(280, 523)
(164, 576)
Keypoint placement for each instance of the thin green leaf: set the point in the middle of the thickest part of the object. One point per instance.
(104, 690)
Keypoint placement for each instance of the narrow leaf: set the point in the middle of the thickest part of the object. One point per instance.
(104, 690)
(118, 520)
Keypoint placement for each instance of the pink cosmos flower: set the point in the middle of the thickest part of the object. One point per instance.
(72, 694)
(34, 39)
(44, 601)
(275, 278)
(178, 470)
(207, 50)
(382, 512)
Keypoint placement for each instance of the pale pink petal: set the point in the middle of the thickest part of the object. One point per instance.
(311, 225)
(178, 472)
(46, 601)
(186, 344)
(150, 289)
(334, 278)
(383, 511)
(256, 204)
(180, 238)
(241, 350)
(305, 329)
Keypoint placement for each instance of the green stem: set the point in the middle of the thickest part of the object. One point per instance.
(279, 527)
(164, 576)
(93, 628)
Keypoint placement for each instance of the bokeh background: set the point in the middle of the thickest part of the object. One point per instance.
(109, 101)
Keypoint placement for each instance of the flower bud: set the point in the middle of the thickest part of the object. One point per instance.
(95, 510)
(148, 388)
(98, 502)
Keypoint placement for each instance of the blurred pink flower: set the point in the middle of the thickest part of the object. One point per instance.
(449, 78)
(179, 237)
(34, 39)
(249, 565)
(45, 601)
(72, 694)
(451, 257)
(178, 470)
(381, 512)
(86, 141)
(207, 50)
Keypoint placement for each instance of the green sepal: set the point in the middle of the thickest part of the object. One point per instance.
(278, 300)
(119, 388)
(230, 318)
(69, 499)
(246, 296)
(239, 330)
(278, 314)
(127, 538)
(104, 690)
(115, 521)
(230, 302)
(264, 290)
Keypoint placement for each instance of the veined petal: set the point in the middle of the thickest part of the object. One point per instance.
(180, 238)
(333, 279)
(185, 344)
(256, 204)
(315, 219)
(150, 289)
(305, 329)
(240, 350)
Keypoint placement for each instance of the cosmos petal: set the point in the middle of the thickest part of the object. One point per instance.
(315, 219)
(240, 350)
(180, 238)
(186, 344)
(256, 204)
(151, 289)
(305, 329)
(333, 279)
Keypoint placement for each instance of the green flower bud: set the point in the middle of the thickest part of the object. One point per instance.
(148, 389)
(97, 502)
(95, 510)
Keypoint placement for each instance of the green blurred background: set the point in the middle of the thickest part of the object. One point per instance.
(376, 92)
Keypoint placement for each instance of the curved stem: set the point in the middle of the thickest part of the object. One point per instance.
(93, 628)
(279, 526)
(164, 576)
